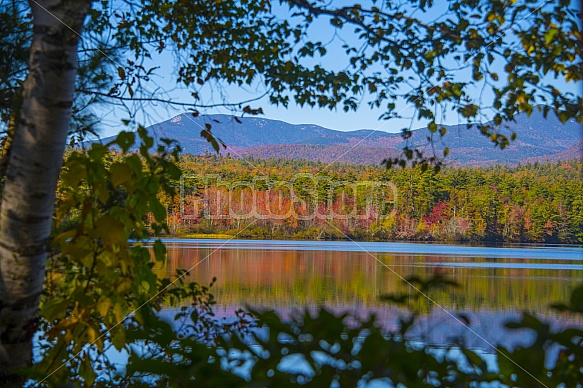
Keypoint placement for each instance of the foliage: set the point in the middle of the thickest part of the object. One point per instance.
(100, 282)
(345, 351)
(323, 349)
(528, 203)
(15, 35)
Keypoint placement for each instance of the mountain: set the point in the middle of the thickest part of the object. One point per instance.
(538, 139)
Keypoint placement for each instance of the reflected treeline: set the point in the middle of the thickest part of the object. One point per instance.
(282, 279)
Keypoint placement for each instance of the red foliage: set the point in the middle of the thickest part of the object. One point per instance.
(438, 213)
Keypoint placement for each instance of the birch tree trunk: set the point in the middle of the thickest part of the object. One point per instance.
(33, 168)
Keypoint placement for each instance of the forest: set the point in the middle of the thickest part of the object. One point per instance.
(281, 198)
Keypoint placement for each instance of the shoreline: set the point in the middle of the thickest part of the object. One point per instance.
(476, 243)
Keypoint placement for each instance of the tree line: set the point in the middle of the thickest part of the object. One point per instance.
(280, 198)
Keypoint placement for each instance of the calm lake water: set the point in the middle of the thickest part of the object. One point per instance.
(495, 284)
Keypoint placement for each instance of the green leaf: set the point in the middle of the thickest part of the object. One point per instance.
(120, 173)
(86, 371)
(209, 137)
(110, 230)
(158, 210)
(98, 151)
(118, 339)
(76, 172)
(159, 250)
(550, 35)
(147, 140)
(54, 308)
(470, 110)
(125, 140)
(135, 164)
(473, 358)
(172, 170)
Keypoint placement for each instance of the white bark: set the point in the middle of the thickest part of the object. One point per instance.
(29, 190)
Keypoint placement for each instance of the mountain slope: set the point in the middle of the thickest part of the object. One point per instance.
(537, 138)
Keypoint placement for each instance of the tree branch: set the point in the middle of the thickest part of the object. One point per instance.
(170, 102)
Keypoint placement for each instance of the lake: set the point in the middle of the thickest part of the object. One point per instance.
(495, 283)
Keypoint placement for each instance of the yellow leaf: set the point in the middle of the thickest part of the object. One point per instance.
(118, 312)
(103, 306)
(90, 334)
(124, 286)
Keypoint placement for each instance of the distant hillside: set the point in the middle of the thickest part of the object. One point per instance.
(573, 152)
(538, 139)
(321, 153)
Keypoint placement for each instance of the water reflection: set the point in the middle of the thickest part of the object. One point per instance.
(494, 283)
(265, 274)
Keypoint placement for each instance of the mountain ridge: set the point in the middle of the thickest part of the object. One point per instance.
(537, 138)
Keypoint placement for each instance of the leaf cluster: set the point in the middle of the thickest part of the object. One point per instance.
(100, 278)
(482, 60)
